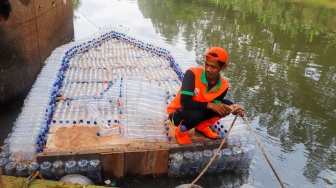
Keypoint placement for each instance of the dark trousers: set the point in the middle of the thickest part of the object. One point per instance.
(191, 118)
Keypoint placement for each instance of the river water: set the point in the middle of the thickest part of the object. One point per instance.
(282, 68)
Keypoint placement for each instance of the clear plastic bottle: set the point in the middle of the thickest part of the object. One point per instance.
(94, 170)
(236, 152)
(71, 167)
(223, 161)
(46, 170)
(109, 132)
(22, 170)
(10, 169)
(34, 166)
(175, 165)
(3, 162)
(207, 155)
(58, 169)
(95, 114)
(4, 154)
(195, 163)
(83, 167)
(185, 167)
(231, 141)
(213, 166)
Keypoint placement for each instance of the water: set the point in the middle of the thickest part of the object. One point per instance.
(282, 67)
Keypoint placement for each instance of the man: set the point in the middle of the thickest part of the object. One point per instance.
(5, 9)
(200, 101)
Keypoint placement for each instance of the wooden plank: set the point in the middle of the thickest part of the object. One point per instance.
(112, 164)
(135, 162)
(157, 161)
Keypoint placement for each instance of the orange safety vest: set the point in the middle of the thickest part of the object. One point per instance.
(201, 93)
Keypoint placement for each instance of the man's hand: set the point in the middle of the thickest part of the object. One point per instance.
(221, 109)
(237, 109)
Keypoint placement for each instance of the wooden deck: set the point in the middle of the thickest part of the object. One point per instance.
(119, 156)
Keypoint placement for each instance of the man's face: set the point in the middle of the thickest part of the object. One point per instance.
(212, 68)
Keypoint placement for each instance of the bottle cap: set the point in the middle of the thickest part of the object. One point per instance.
(183, 128)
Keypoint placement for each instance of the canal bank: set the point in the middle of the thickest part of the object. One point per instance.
(13, 182)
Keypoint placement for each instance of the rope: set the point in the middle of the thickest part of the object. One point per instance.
(216, 153)
(88, 19)
(263, 151)
(18, 159)
(220, 146)
(31, 178)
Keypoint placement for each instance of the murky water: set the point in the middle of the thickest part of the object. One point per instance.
(282, 68)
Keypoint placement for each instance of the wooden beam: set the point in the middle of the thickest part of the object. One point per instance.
(135, 162)
(157, 161)
(112, 164)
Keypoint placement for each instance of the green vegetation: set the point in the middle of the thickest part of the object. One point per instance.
(76, 4)
(292, 18)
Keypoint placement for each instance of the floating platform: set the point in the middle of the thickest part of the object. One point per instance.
(117, 81)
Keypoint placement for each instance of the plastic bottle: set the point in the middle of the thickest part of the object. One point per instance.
(185, 167)
(34, 166)
(3, 162)
(71, 167)
(46, 170)
(231, 141)
(213, 166)
(95, 114)
(195, 163)
(109, 132)
(22, 170)
(223, 161)
(243, 161)
(58, 169)
(175, 165)
(236, 152)
(83, 167)
(94, 170)
(4, 154)
(10, 168)
(207, 155)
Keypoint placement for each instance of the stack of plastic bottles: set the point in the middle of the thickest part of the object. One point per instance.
(87, 74)
(235, 157)
(228, 159)
(53, 170)
(221, 126)
(144, 110)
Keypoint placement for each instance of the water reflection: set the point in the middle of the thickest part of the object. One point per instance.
(282, 65)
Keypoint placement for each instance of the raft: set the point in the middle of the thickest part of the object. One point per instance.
(104, 97)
